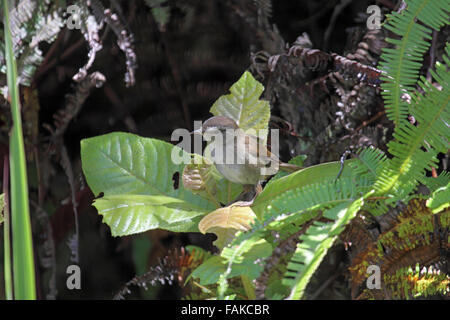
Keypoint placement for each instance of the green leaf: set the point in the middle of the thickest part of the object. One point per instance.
(440, 199)
(22, 239)
(301, 178)
(129, 214)
(210, 271)
(402, 63)
(440, 181)
(126, 164)
(243, 105)
(247, 249)
(315, 244)
(431, 109)
(297, 160)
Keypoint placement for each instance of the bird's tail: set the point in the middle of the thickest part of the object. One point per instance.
(287, 167)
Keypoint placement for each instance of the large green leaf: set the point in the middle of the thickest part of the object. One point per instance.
(126, 164)
(243, 105)
(128, 214)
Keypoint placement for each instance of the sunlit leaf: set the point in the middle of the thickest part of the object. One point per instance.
(126, 164)
(225, 222)
(129, 214)
(243, 105)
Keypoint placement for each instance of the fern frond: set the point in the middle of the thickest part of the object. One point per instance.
(20, 15)
(415, 235)
(264, 7)
(439, 200)
(432, 111)
(27, 64)
(407, 283)
(435, 183)
(47, 27)
(31, 23)
(315, 244)
(402, 63)
(318, 195)
(371, 161)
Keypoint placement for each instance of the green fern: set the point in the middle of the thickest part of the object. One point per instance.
(33, 22)
(435, 183)
(410, 161)
(402, 63)
(315, 244)
(430, 108)
(371, 162)
(318, 196)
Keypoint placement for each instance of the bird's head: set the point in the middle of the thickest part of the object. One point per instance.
(216, 124)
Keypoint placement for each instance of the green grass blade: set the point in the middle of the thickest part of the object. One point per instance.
(4, 206)
(22, 246)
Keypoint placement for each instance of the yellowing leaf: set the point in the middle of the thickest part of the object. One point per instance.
(234, 217)
(225, 222)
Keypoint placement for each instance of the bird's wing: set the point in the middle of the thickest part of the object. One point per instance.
(258, 152)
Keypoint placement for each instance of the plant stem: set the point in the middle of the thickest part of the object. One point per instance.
(248, 287)
(22, 246)
(7, 232)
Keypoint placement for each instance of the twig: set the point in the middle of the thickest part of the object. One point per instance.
(48, 261)
(74, 103)
(175, 69)
(337, 11)
(125, 41)
(67, 166)
(121, 112)
(43, 66)
(325, 284)
(432, 54)
(314, 17)
(375, 117)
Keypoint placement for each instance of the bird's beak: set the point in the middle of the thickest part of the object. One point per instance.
(197, 131)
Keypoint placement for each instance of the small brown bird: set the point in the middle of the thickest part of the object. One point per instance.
(241, 158)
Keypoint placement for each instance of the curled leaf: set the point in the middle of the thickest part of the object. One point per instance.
(225, 222)
(204, 179)
(231, 217)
